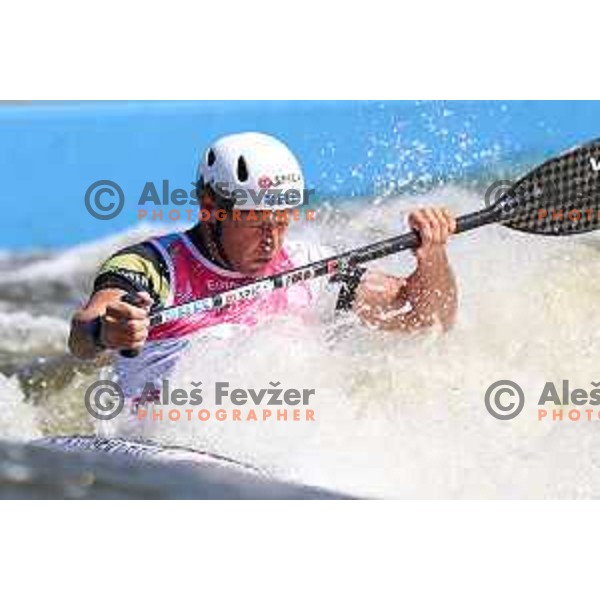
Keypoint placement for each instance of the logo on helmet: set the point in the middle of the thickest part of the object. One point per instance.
(264, 182)
(288, 178)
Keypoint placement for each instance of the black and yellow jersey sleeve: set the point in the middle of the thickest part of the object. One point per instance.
(137, 268)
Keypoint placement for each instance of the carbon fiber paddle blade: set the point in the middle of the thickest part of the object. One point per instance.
(560, 197)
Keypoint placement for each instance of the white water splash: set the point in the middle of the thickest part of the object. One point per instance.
(403, 416)
(17, 418)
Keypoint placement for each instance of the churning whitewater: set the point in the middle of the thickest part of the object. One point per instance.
(395, 415)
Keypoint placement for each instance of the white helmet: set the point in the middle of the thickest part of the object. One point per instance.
(253, 170)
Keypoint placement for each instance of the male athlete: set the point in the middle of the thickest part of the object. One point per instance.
(220, 253)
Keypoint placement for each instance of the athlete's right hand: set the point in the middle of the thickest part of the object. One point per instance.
(124, 326)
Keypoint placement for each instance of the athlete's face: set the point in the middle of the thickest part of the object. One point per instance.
(253, 239)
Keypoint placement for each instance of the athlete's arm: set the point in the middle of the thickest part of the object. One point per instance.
(428, 296)
(108, 323)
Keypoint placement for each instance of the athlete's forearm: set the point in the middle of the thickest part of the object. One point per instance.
(431, 292)
(107, 322)
(84, 335)
(82, 343)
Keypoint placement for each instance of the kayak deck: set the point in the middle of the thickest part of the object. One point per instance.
(83, 467)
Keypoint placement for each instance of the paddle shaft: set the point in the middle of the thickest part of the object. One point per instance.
(520, 208)
(329, 266)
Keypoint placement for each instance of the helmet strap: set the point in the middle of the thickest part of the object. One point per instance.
(212, 238)
(216, 235)
(213, 231)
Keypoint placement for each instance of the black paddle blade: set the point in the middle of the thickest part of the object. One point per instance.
(560, 197)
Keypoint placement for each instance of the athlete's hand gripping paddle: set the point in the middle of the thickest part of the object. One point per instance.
(134, 300)
(560, 197)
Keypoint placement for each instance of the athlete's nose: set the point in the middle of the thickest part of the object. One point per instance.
(267, 237)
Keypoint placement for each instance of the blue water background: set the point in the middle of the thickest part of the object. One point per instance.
(50, 153)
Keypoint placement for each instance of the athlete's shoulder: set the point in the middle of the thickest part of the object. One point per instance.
(138, 267)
